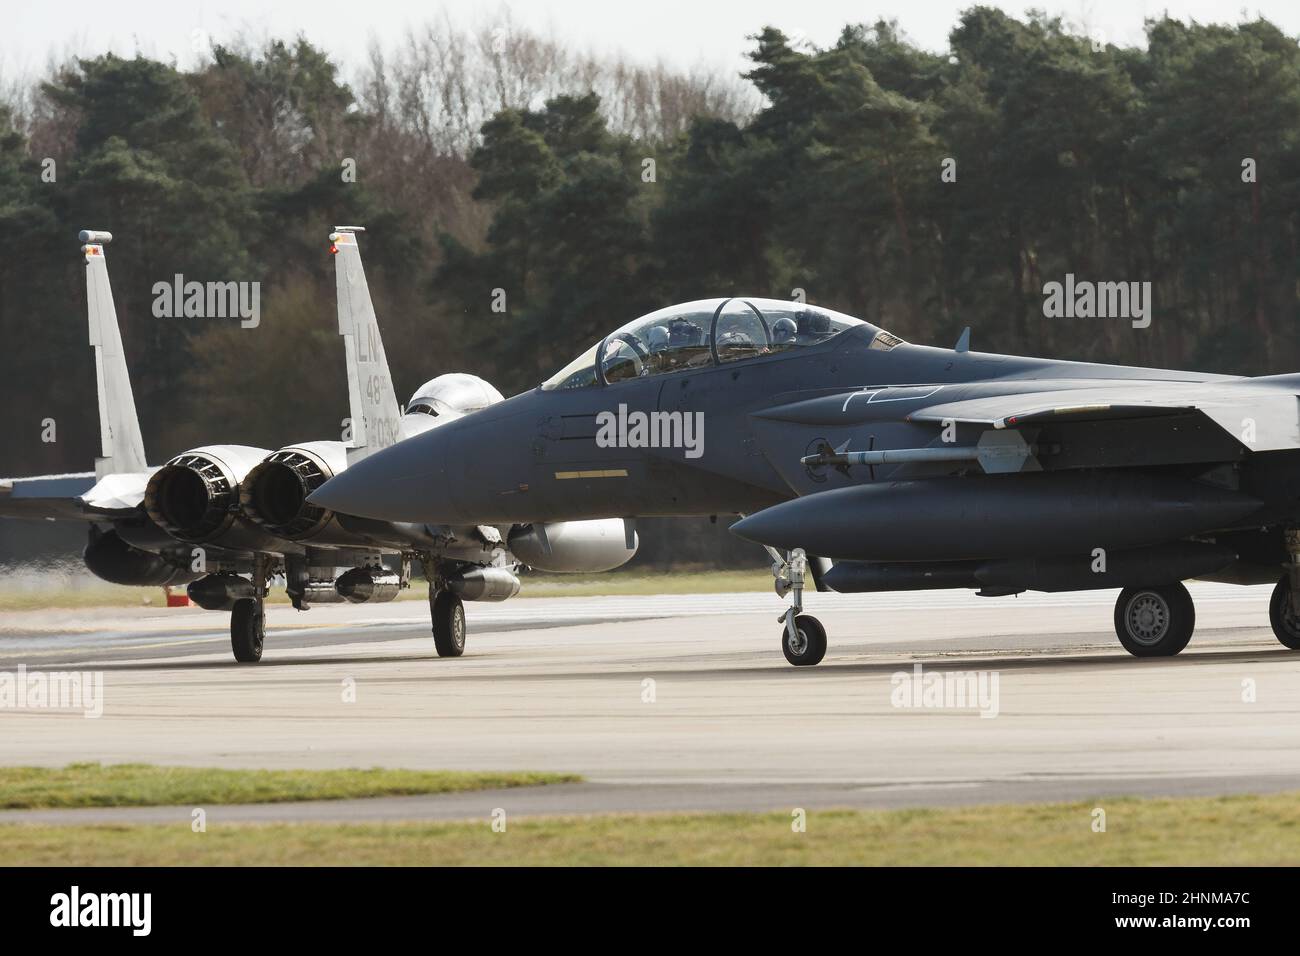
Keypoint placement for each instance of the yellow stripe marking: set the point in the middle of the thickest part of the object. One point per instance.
(607, 473)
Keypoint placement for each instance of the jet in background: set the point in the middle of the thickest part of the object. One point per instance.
(225, 519)
(870, 464)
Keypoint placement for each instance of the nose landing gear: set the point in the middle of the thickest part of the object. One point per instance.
(803, 639)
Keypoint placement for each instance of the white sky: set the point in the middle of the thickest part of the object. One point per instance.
(680, 32)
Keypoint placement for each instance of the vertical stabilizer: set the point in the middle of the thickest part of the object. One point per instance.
(121, 445)
(372, 403)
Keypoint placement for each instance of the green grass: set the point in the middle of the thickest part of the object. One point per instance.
(701, 581)
(1202, 831)
(135, 785)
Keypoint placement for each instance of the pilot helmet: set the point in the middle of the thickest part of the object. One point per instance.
(783, 331)
(812, 322)
(656, 338)
(682, 333)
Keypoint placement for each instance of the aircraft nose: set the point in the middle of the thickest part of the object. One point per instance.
(773, 526)
(399, 483)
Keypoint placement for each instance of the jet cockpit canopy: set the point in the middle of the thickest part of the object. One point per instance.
(703, 333)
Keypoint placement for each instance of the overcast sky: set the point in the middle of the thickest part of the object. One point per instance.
(679, 32)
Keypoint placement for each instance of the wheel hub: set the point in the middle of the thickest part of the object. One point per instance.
(797, 642)
(1147, 618)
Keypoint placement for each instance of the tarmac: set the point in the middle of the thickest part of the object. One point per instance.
(678, 703)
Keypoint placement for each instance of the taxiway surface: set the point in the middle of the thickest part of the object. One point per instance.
(679, 702)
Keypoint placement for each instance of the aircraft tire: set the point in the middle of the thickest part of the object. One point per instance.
(1286, 627)
(810, 645)
(448, 624)
(247, 630)
(1155, 621)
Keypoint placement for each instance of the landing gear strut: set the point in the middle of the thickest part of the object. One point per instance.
(448, 613)
(803, 639)
(1155, 621)
(248, 617)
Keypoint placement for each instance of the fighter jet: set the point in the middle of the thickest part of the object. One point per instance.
(225, 519)
(871, 464)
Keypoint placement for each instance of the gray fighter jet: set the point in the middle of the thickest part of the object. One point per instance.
(870, 464)
(225, 519)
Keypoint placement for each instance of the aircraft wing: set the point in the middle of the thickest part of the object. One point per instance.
(76, 496)
(1083, 424)
(46, 496)
(1264, 415)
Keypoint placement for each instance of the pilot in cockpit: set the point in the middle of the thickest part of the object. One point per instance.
(783, 332)
(814, 324)
(683, 333)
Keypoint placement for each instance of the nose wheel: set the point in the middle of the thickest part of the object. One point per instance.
(803, 639)
(804, 643)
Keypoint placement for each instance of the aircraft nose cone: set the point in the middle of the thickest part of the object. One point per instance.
(399, 483)
(772, 526)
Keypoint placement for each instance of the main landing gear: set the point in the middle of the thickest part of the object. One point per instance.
(248, 617)
(803, 639)
(1155, 621)
(1284, 607)
(1283, 614)
(448, 613)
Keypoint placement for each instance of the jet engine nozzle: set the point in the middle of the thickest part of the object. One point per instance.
(274, 495)
(192, 497)
(195, 496)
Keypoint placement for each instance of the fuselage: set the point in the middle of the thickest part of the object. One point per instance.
(538, 454)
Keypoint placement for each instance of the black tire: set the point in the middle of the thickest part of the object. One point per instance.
(247, 631)
(1155, 621)
(448, 624)
(810, 645)
(1286, 626)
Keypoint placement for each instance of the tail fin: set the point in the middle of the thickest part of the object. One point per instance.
(121, 445)
(371, 401)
